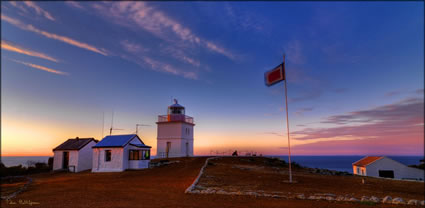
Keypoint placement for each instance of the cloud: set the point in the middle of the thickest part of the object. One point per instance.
(301, 111)
(132, 47)
(340, 90)
(274, 133)
(64, 39)
(294, 53)
(41, 67)
(11, 47)
(246, 20)
(33, 6)
(420, 91)
(402, 119)
(39, 10)
(74, 4)
(180, 55)
(392, 93)
(131, 14)
(145, 61)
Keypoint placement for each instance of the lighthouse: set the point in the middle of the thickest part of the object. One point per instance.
(175, 133)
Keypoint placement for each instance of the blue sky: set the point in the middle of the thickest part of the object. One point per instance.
(65, 63)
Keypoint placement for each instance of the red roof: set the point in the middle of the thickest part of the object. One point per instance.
(366, 161)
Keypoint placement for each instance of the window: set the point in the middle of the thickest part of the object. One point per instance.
(146, 154)
(134, 155)
(139, 155)
(107, 155)
(358, 171)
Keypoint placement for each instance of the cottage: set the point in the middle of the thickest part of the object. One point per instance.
(385, 167)
(74, 155)
(175, 133)
(117, 153)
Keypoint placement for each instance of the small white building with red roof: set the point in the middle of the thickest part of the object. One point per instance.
(381, 166)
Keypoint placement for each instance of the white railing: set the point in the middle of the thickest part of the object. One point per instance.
(178, 117)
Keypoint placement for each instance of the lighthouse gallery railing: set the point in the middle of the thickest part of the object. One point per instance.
(178, 117)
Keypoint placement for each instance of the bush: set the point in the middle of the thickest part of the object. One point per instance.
(21, 170)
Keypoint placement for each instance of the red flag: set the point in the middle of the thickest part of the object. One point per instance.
(275, 75)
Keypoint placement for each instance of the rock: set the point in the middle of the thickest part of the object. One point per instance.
(200, 187)
(364, 199)
(195, 192)
(339, 198)
(330, 198)
(387, 200)
(312, 198)
(374, 199)
(346, 198)
(413, 202)
(300, 196)
(398, 200)
(352, 199)
(221, 192)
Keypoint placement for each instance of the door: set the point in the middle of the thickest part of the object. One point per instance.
(167, 150)
(386, 173)
(65, 162)
(187, 149)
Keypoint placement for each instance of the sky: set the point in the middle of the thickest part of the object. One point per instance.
(355, 74)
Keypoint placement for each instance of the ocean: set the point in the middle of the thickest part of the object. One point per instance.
(343, 163)
(9, 161)
(338, 163)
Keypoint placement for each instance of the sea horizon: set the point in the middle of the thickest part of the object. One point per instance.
(341, 163)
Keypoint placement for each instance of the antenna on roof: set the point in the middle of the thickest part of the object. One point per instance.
(112, 123)
(137, 126)
(103, 123)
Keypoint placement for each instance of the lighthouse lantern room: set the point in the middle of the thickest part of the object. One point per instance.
(175, 133)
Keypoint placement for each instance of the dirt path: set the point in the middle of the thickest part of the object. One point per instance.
(157, 187)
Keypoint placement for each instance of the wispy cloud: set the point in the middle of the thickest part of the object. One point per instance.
(74, 4)
(146, 61)
(294, 52)
(133, 47)
(32, 5)
(301, 111)
(43, 68)
(180, 55)
(39, 10)
(150, 19)
(274, 133)
(402, 119)
(246, 20)
(64, 39)
(392, 93)
(12, 47)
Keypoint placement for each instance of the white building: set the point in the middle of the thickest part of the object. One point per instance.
(74, 154)
(175, 133)
(117, 153)
(387, 168)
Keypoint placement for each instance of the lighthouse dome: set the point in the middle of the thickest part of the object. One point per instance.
(175, 108)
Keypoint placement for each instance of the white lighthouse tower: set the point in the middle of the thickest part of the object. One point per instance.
(175, 133)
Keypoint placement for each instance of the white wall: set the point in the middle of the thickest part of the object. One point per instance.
(401, 171)
(119, 160)
(85, 157)
(175, 132)
(99, 163)
(58, 159)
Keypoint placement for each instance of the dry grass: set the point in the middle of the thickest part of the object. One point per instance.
(164, 187)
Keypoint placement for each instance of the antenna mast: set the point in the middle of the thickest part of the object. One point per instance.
(137, 126)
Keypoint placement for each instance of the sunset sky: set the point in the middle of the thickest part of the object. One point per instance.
(355, 74)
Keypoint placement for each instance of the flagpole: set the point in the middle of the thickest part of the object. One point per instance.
(287, 122)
